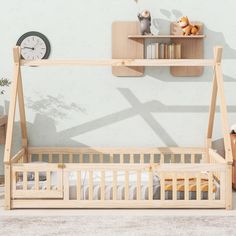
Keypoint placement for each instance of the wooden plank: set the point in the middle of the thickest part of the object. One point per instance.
(114, 189)
(7, 192)
(90, 185)
(102, 185)
(101, 158)
(120, 63)
(162, 183)
(116, 204)
(174, 187)
(131, 158)
(66, 185)
(126, 185)
(210, 186)
(138, 185)
(18, 156)
(25, 180)
(150, 185)
(78, 186)
(198, 186)
(186, 187)
(218, 158)
(114, 150)
(190, 49)
(171, 36)
(48, 180)
(22, 114)
(125, 48)
(36, 182)
(12, 107)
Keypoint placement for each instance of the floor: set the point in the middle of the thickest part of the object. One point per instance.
(152, 212)
(117, 222)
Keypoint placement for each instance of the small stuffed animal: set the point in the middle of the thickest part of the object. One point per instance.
(145, 22)
(188, 29)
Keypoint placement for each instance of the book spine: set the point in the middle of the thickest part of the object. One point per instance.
(157, 50)
(178, 51)
(153, 45)
(165, 51)
(149, 51)
(162, 51)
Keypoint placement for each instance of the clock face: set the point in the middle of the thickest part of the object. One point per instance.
(34, 46)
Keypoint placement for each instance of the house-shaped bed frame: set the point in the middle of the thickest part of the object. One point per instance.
(180, 167)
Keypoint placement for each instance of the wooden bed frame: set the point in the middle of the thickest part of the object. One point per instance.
(172, 164)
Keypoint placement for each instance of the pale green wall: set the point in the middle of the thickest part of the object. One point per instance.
(88, 106)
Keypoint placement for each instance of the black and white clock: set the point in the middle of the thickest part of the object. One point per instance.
(34, 46)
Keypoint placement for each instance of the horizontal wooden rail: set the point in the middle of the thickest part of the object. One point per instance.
(131, 150)
(120, 62)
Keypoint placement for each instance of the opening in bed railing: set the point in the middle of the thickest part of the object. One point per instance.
(49, 177)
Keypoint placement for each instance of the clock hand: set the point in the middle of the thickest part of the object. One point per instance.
(28, 48)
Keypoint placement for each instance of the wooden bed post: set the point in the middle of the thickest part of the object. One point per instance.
(16, 90)
(218, 88)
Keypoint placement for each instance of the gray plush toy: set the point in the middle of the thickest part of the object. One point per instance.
(145, 22)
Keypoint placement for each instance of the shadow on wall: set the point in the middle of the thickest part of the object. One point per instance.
(52, 107)
(213, 39)
(43, 131)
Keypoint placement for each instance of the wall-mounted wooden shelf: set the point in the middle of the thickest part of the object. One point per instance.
(165, 36)
(3, 127)
(127, 43)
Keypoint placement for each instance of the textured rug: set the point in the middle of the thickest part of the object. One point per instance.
(118, 225)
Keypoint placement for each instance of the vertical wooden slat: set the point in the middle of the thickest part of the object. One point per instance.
(36, 182)
(114, 189)
(192, 158)
(182, 158)
(138, 185)
(172, 157)
(174, 187)
(122, 158)
(50, 158)
(131, 158)
(162, 182)
(126, 185)
(70, 158)
(66, 184)
(222, 186)
(186, 187)
(60, 158)
(90, 185)
(210, 187)
(111, 158)
(90, 158)
(40, 157)
(25, 180)
(198, 187)
(14, 180)
(101, 158)
(78, 185)
(162, 158)
(59, 180)
(151, 158)
(81, 158)
(141, 158)
(150, 185)
(48, 180)
(102, 185)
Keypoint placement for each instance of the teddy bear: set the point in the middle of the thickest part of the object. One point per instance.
(145, 22)
(188, 29)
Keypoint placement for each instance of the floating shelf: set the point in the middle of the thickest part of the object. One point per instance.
(128, 44)
(165, 36)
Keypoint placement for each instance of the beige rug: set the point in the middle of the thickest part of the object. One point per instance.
(118, 225)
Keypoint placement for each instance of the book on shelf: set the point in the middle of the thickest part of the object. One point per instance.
(163, 51)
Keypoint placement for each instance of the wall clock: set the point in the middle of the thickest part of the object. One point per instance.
(34, 46)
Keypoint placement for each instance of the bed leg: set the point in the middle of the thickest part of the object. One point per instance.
(229, 187)
(7, 187)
